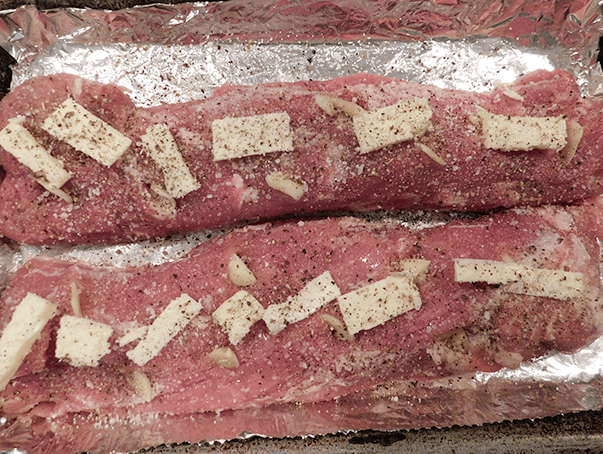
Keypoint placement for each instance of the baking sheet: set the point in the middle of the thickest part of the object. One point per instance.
(174, 53)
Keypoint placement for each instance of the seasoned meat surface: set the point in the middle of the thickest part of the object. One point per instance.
(443, 164)
(458, 328)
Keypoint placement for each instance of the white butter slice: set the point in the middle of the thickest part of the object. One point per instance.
(508, 133)
(238, 272)
(318, 292)
(392, 124)
(163, 203)
(26, 324)
(247, 136)
(377, 303)
(238, 314)
(170, 322)
(287, 185)
(82, 342)
(159, 143)
(488, 271)
(521, 279)
(19, 142)
(86, 132)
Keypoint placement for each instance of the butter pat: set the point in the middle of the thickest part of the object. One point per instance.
(87, 133)
(488, 271)
(377, 303)
(392, 124)
(521, 279)
(237, 315)
(28, 321)
(170, 322)
(247, 136)
(507, 133)
(82, 342)
(160, 145)
(287, 185)
(313, 296)
(19, 142)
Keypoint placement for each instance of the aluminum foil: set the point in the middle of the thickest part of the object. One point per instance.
(177, 53)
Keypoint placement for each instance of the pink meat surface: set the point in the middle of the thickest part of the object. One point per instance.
(117, 203)
(51, 406)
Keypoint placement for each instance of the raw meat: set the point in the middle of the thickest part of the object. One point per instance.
(126, 201)
(460, 328)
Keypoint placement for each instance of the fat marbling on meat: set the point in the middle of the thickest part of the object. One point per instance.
(445, 166)
(181, 394)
